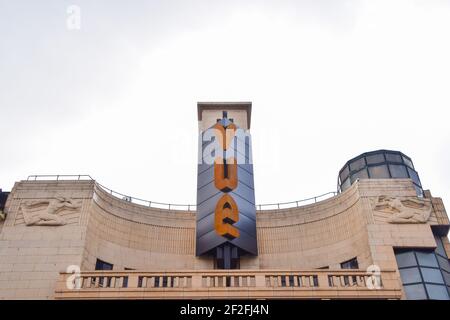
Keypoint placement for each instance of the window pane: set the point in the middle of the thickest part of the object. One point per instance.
(398, 171)
(432, 275)
(344, 173)
(410, 275)
(393, 157)
(440, 246)
(444, 263)
(446, 277)
(102, 265)
(415, 292)
(427, 259)
(350, 264)
(414, 176)
(357, 164)
(405, 259)
(375, 158)
(408, 162)
(379, 172)
(360, 175)
(345, 185)
(419, 191)
(437, 292)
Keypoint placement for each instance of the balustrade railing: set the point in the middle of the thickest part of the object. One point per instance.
(172, 206)
(322, 284)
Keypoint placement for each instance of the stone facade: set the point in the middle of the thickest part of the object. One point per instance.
(32, 256)
(132, 236)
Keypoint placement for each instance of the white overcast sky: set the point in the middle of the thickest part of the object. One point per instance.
(117, 98)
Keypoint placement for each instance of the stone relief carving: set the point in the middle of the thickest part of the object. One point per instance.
(34, 215)
(406, 210)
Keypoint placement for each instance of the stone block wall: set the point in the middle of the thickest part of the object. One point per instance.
(31, 256)
(92, 224)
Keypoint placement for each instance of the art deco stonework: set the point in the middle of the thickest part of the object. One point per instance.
(365, 242)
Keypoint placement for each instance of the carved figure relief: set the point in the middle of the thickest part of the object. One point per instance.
(34, 215)
(406, 210)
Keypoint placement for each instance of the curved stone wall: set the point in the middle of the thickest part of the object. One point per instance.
(313, 236)
(134, 236)
(319, 235)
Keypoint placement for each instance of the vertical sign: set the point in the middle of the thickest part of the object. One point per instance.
(226, 213)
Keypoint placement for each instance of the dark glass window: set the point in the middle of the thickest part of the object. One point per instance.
(219, 264)
(444, 263)
(379, 172)
(437, 292)
(360, 175)
(413, 175)
(419, 191)
(345, 185)
(344, 173)
(102, 265)
(381, 164)
(426, 281)
(408, 162)
(446, 276)
(415, 292)
(375, 158)
(432, 275)
(350, 264)
(357, 164)
(410, 275)
(398, 171)
(440, 246)
(3, 198)
(392, 157)
(406, 259)
(427, 259)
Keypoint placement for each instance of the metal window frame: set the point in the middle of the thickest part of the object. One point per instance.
(419, 266)
(385, 162)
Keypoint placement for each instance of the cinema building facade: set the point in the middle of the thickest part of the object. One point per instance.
(380, 236)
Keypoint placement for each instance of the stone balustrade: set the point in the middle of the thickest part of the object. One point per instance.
(201, 284)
